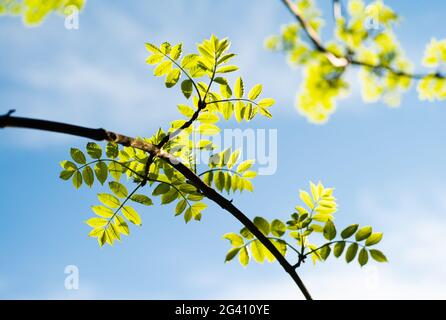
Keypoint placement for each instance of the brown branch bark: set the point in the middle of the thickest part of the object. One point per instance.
(8, 121)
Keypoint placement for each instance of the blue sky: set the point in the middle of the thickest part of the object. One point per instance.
(387, 165)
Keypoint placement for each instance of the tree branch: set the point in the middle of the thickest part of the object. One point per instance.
(344, 61)
(105, 135)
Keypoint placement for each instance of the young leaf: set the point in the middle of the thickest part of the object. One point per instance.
(243, 257)
(266, 103)
(109, 200)
(238, 88)
(172, 77)
(255, 92)
(102, 211)
(175, 53)
(257, 250)
(227, 69)
(235, 239)
(131, 215)
(96, 222)
(163, 68)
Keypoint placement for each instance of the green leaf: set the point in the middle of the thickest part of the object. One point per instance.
(278, 228)
(131, 215)
(219, 180)
(112, 150)
(226, 109)
(88, 176)
(265, 112)
(187, 88)
(266, 103)
(257, 250)
(165, 47)
(152, 48)
(102, 238)
(243, 257)
(118, 189)
(169, 196)
(161, 189)
(68, 165)
(163, 68)
(324, 252)
(102, 211)
(172, 77)
(233, 158)
(255, 92)
(363, 233)
(338, 248)
(238, 88)
(175, 53)
(101, 171)
(239, 109)
(181, 205)
(185, 110)
(374, 238)
(226, 58)
(66, 174)
(142, 199)
(96, 232)
(349, 231)
(78, 156)
(227, 69)
(115, 170)
(235, 239)
(262, 224)
(189, 61)
(246, 233)
(329, 230)
(77, 179)
(208, 129)
(378, 255)
(109, 200)
(351, 252)
(121, 225)
(155, 58)
(208, 117)
(94, 150)
(96, 222)
(231, 254)
(306, 198)
(363, 257)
